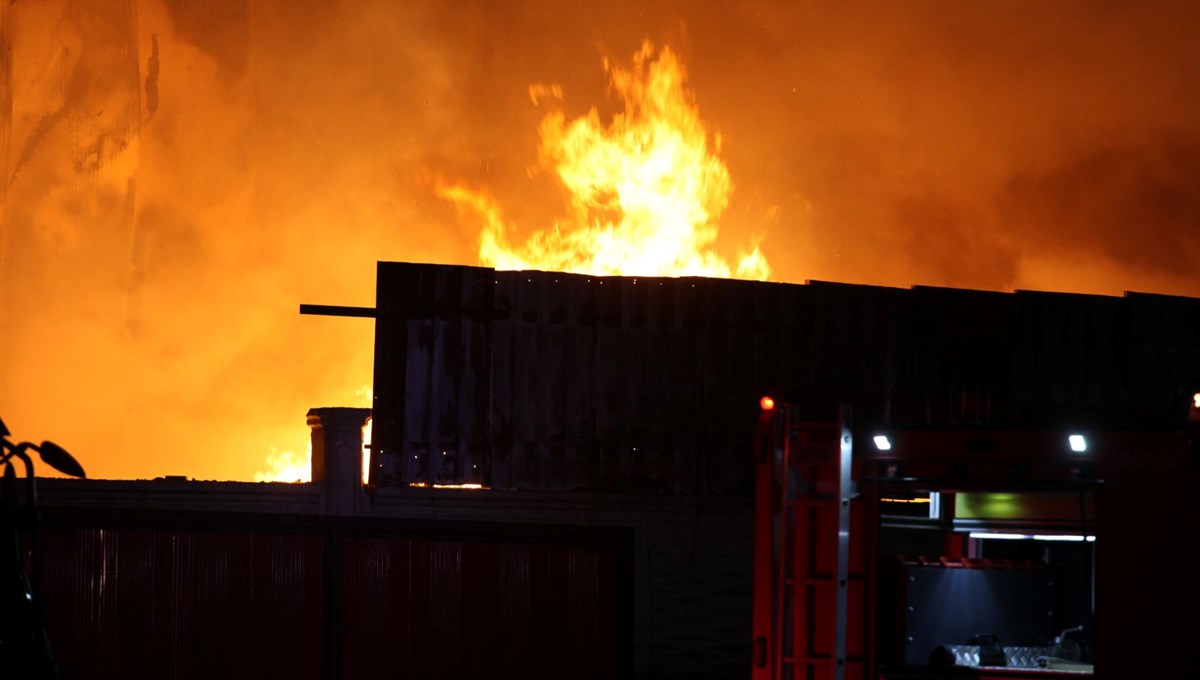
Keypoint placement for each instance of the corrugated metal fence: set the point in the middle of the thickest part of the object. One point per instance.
(202, 595)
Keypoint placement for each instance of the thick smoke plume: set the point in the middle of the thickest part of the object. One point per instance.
(178, 176)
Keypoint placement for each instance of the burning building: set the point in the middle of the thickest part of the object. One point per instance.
(167, 159)
(179, 174)
(594, 440)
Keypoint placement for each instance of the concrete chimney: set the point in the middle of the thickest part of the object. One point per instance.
(337, 448)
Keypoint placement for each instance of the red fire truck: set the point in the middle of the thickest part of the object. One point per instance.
(885, 552)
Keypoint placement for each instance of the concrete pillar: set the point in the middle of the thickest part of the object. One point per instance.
(337, 446)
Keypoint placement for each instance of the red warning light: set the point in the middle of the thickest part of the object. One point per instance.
(767, 403)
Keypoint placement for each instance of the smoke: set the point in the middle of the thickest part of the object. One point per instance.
(948, 143)
(179, 176)
(1136, 207)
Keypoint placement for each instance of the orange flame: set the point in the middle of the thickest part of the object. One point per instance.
(645, 190)
(288, 466)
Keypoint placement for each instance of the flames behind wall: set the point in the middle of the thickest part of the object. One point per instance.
(177, 176)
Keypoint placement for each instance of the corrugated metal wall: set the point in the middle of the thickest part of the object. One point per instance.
(424, 609)
(130, 604)
(125, 602)
(534, 380)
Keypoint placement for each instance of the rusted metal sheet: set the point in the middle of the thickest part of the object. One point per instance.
(549, 381)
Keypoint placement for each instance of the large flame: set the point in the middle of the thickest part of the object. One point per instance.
(645, 193)
(645, 190)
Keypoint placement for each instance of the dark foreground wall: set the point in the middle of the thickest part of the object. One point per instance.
(176, 593)
(175, 579)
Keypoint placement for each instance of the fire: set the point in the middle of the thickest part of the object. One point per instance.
(645, 193)
(288, 466)
(645, 190)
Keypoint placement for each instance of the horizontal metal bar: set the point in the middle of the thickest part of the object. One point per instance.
(338, 310)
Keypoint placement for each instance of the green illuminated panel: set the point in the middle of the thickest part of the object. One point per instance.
(1043, 506)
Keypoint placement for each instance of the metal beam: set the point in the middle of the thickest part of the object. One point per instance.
(338, 310)
(844, 495)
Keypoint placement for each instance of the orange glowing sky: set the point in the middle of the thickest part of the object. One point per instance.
(179, 176)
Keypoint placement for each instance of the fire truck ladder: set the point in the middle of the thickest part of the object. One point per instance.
(804, 489)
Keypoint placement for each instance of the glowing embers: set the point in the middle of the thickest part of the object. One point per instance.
(644, 191)
(766, 403)
(443, 485)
